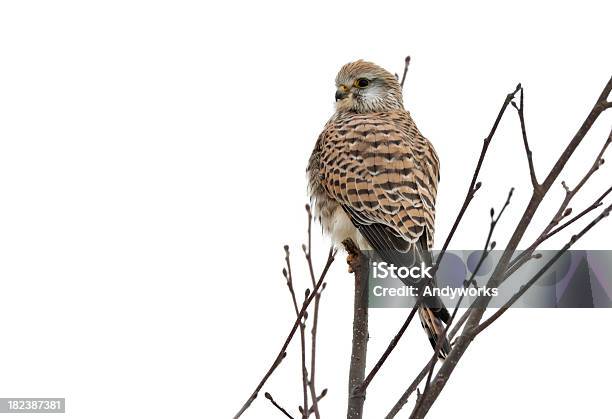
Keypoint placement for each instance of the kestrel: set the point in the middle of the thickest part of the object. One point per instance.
(373, 178)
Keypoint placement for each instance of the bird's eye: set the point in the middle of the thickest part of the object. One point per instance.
(362, 83)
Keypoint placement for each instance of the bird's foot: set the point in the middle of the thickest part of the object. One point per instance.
(351, 258)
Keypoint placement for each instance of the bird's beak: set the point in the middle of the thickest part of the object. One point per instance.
(341, 92)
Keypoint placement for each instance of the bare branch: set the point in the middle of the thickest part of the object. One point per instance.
(521, 114)
(599, 161)
(411, 388)
(417, 380)
(464, 341)
(564, 211)
(318, 399)
(598, 202)
(359, 266)
(406, 64)
(269, 397)
(488, 247)
(315, 321)
(253, 396)
(428, 368)
(289, 278)
(330, 259)
(541, 272)
(472, 189)
(474, 184)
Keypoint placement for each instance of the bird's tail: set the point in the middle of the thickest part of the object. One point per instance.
(432, 311)
(433, 320)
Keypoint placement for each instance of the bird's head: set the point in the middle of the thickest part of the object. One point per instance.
(364, 87)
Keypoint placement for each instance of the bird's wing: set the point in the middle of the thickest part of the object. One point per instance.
(384, 174)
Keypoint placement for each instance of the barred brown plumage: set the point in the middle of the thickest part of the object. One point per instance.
(373, 177)
(381, 167)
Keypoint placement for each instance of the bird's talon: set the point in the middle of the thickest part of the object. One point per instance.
(350, 259)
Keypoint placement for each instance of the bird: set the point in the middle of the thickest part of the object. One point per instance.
(373, 179)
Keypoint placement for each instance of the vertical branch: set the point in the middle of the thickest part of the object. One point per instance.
(359, 264)
(406, 64)
(520, 109)
(289, 277)
(304, 409)
(315, 321)
(311, 382)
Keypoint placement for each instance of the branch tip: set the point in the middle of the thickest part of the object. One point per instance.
(406, 64)
(567, 189)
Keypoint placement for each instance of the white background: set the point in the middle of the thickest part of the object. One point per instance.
(152, 160)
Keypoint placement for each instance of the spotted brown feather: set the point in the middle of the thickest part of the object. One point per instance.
(380, 166)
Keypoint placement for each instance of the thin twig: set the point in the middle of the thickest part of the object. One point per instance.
(488, 248)
(315, 322)
(318, 399)
(279, 407)
(417, 380)
(414, 385)
(330, 258)
(564, 211)
(520, 109)
(289, 278)
(598, 202)
(464, 341)
(474, 184)
(406, 64)
(541, 272)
